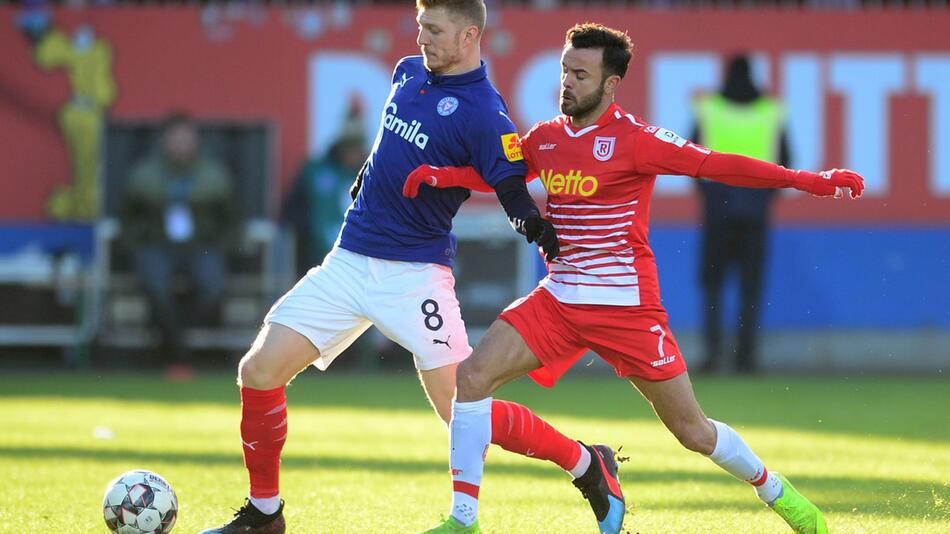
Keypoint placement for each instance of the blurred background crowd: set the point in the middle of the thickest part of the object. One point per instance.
(535, 4)
(170, 168)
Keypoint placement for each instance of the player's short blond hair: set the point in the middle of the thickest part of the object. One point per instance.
(471, 11)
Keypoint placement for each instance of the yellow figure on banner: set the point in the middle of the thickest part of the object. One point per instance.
(87, 60)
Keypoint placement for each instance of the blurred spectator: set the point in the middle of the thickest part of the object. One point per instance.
(320, 194)
(741, 120)
(178, 217)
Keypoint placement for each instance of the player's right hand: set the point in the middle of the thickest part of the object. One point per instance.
(833, 182)
(540, 230)
(443, 177)
(422, 174)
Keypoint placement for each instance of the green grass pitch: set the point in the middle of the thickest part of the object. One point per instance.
(367, 455)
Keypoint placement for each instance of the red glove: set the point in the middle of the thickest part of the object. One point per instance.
(833, 182)
(443, 177)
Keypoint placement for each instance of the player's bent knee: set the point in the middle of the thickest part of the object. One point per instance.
(247, 372)
(253, 372)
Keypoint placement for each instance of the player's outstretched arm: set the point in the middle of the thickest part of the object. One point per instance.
(660, 151)
(512, 193)
(733, 169)
(444, 177)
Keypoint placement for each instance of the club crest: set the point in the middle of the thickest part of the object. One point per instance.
(447, 106)
(604, 147)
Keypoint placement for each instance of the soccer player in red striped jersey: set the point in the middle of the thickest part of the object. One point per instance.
(598, 164)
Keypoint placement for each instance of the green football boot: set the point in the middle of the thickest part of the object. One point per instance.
(454, 526)
(800, 514)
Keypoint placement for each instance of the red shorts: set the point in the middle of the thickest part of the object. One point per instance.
(635, 341)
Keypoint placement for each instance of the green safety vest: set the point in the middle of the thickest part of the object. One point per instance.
(752, 129)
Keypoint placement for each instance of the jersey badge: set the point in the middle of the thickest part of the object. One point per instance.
(604, 147)
(512, 146)
(447, 106)
(669, 137)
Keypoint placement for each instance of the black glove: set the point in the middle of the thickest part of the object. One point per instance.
(537, 229)
(355, 188)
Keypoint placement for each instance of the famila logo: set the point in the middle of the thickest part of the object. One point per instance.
(407, 130)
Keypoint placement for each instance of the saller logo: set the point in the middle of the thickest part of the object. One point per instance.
(663, 361)
(512, 146)
(407, 130)
(572, 184)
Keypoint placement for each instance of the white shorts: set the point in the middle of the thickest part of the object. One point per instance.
(412, 304)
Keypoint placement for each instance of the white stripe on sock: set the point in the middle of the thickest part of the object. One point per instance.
(582, 463)
(267, 506)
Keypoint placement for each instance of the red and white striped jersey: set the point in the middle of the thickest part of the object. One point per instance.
(599, 180)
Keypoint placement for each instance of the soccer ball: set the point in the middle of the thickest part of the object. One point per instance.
(140, 502)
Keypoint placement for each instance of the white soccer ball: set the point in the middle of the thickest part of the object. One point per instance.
(140, 502)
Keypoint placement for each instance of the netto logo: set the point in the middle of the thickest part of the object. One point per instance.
(572, 184)
(407, 130)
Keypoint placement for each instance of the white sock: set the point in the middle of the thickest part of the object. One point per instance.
(733, 455)
(582, 463)
(268, 505)
(469, 436)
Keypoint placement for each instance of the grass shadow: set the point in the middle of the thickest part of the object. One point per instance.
(867, 495)
(899, 407)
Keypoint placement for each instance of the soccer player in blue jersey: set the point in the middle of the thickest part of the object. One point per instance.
(391, 265)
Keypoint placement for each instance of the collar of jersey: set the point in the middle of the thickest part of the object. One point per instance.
(459, 79)
(608, 116)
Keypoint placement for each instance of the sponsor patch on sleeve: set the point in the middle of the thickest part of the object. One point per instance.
(665, 135)
(512, 147)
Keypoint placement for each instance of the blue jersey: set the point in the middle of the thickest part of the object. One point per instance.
(430, 119)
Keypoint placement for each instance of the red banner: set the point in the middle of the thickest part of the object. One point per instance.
(868, 90)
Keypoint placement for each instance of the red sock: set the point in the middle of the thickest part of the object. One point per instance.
(517, 429)
(263, 433)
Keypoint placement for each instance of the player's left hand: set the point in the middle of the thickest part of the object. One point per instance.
(540, 230)
(834, 181)
(443, 177)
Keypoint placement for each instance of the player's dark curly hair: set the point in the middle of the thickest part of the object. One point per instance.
(618, 49)
(472, 11)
